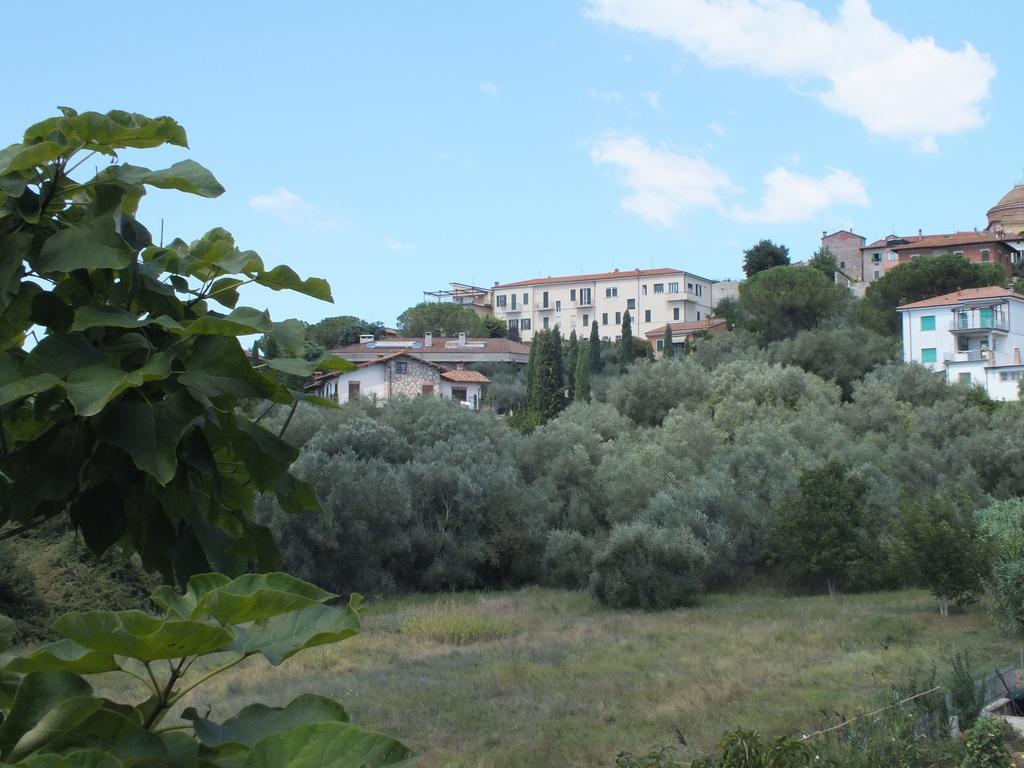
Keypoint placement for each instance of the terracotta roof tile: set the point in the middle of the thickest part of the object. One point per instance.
(614, 274)
(693, 325)
(439, 345)
(955, 238)
(966, 294)
(467, 377)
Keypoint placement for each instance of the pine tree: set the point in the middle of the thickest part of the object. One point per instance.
(571, 358)
(626, 350)
(668, 351)
(594, 349)
(581, 392)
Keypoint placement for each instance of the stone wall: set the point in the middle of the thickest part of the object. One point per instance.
(410, 383)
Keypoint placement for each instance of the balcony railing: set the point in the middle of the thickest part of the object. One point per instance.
(977, 322)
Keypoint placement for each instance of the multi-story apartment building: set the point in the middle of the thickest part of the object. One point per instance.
(882, 255)
(974, 336)
(653, 297)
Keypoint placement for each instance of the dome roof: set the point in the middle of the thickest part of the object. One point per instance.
(1008, 214)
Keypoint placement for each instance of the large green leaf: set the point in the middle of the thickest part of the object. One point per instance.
(284, 278)
(240, 322)
(94, 245)
(281, 637)
(59, 721)
(22, 157)
(327, 745)
(141, 636)
(38, 693)
(110, 317)
(80, 758)
(290, 336)
(258, 720)
(218, 366)
(61, 354)
(266, 456)
(114, 130)
(28, 386)
(150, 433)
(64, 655)
(293, 366)
(184, 605)
(91, 388)
(185, 176)
(258, 596)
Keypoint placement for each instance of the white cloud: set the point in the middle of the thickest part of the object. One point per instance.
(907, 89)
(653, 99)
(396, 245)
(663, 183)
(792, 196)
(285, 205)
(487, 88)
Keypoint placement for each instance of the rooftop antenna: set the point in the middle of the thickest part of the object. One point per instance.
(161, 232)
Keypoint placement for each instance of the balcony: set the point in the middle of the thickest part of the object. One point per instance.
(979, 320)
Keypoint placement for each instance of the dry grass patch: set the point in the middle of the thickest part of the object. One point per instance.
(450, 624)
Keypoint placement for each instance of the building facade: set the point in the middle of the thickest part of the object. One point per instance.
(653, 297)
(447, 352)
(402, 374)
(974, 336)
(981, 247)
(683, 334)
(846, 246)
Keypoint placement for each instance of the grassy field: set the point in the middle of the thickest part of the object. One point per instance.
(549, 678)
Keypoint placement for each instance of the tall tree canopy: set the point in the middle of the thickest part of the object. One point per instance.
(825, 262)
(781, 301)
(342, 330)
(764, 255)
(441, 317)
(921, 279)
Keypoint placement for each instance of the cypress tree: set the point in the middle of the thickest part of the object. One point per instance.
(531, 369)
(626, 350)
(571, 357)
(667, 344)
(594, 349)
(581, 392)
(556, 352)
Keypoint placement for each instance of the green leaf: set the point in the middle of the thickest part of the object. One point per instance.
(80, 758)
(114, 130)
(94, 245)
(60, 720)
(281, 637)
(149, 433)
(266, 456)
(64, 655)
(23, 157)
(225, 291)
(7, 630)
(185, 176)
(111, 317)
(327, 745)
(184, 606)
(258, 720)
(91, 388)
(290, 336)
(38, 693)
(258, 596)
(330, 363)
(218, 366)
(141, 636)
(240, 322)
(30, 385)
(284, 278)
(61, 354)
(293, 366)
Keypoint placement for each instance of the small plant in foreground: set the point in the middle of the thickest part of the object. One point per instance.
(986, 745)
(660, 756)
(967, 695)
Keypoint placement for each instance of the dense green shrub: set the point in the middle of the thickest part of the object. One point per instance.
(966, 694)
(651, 389)
(568, 559)
(986, 745)
(645, 566)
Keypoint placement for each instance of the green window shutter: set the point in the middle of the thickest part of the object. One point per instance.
(928, 322)
(928, 355)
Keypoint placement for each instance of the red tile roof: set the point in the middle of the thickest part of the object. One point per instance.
(439, 345)
(614, 274)
(468, 377)
(693, 325)
(955, 238)
(966, 294)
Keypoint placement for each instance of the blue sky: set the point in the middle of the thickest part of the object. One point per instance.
(394, 147)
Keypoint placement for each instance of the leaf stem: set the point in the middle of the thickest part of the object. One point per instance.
(209, 675)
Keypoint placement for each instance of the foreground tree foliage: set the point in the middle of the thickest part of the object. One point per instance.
(53, 717)
(130, 398)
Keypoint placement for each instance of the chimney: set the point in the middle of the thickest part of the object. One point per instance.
(428, 339)
(462, 339)
(824, 234)
(1016, 356)
(919, 234)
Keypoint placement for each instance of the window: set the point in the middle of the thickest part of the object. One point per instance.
(964, 378)
(962, 344)
(630, 303)
(401, 366)
(700, 289)
(893, 256)
(526, 324)
(643, 289)
(459, 394)
(659, 287)
(572, 294)
(513, 325)
(842, 265)
(689, 287)
(611, 292)
(647, 315)
(544, 300)
(1010, 375)
(604, 318)
(428, 389)
(513, 302)
(353, 389)
(877, 273)
(501, 300)
(585, 297)
(618, 318)
(526, 297)
(586, 319)
(673, 287)
(544, 323)
(661, 345)
(928, 355)
(928, 322)
(558, 305)
(876, 258)
(675, 313)
(698, 314)
(986, 254)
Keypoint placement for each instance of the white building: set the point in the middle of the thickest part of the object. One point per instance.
(974, 336)
(402, 374)
(653, 298)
